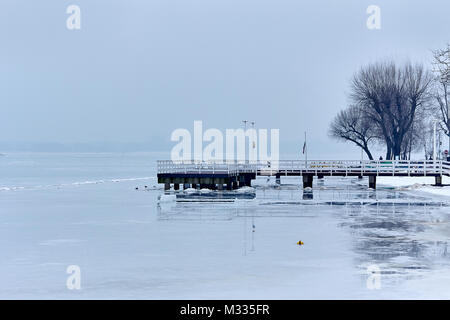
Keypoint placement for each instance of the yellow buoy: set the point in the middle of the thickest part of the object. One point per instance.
(300, 243)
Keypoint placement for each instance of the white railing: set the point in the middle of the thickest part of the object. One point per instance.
(340, 167)
(228, 167)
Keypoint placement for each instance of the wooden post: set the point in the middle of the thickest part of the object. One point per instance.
(307, 181)
(242, 181)
(373, 182)
(248, 181)
(278, 178)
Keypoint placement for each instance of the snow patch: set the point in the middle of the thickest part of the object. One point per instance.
(246, 190)
(167, 198)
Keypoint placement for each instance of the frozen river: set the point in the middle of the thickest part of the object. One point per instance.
(58, 210)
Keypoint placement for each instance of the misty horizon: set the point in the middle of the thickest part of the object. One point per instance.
(135, 72)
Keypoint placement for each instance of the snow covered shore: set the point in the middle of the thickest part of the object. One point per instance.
(424, 184)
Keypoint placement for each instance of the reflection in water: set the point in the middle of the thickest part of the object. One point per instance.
(308, 195)
(225, 195)
(389, 227)
(394, 235)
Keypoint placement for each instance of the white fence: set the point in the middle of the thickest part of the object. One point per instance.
(329, 167)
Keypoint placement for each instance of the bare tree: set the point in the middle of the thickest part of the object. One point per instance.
(352, 125)
(391, 97)
(428, 139)
(415, 138)
(441, 69)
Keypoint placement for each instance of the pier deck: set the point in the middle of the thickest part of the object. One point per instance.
(234, 174)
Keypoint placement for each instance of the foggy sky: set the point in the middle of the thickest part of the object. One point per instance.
(137, 70)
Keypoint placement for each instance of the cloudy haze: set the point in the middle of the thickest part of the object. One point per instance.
(137, 70)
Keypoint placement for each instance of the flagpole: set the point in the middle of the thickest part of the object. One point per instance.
(306, 153)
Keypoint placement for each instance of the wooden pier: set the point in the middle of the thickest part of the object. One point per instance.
(231, 175)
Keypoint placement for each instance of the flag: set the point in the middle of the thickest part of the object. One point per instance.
(304, 147)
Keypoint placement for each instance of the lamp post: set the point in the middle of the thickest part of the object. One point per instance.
(245, 131)
(448, 127)
(256, 172)
(434, 141)
(245, 124)
(254, 137)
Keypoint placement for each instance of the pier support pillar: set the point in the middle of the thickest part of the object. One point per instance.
(235, 185)
(373, 182)
(360, 177)
(176, 186)
(438, 181)
(220, 187)
(248, 181)
(278, 178)
(166, 186)
(320, 176)
(307, 181)
(229, 185)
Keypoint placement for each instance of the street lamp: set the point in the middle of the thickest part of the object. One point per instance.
(245, 131)
(254, 137)
(434, 140)
(446, 157)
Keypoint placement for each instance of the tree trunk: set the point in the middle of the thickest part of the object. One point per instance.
(396, 152)
(369, 154)
(388, 152)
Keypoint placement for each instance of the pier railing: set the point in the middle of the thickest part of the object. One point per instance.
(228, 167)
(338, 167)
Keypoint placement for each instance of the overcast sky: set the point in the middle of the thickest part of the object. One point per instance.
(137, 70)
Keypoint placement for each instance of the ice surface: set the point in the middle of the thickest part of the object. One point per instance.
(246, 190)
(129, 246)
(425, 184)
(167, 197)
